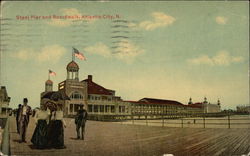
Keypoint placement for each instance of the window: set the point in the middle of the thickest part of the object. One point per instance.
(106, 108)
(101, 108)
(71, 108)
(76, 95)
(95, 108)
(90, 108)
(112, 109)
(121, 109)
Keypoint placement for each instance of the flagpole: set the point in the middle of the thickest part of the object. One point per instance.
(72, 54)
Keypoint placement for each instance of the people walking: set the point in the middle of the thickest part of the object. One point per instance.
(80, 122)
(23, 119)
(56, 129)
(18, 110)
(39, 137)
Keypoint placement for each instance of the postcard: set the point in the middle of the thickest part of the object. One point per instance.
(124, 78)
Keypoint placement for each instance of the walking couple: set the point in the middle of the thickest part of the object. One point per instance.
(49, 131)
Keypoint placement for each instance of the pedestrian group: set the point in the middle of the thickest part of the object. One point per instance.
(49, 131)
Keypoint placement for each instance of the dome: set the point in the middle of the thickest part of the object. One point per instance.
(49, 82)
(72, 66)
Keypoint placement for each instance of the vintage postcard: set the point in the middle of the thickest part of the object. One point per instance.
(124, 78)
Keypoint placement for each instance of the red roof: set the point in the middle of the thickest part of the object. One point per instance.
(72, 65)
(198, 105)
(94, 88)
(156, 101)
(160, 101)
(49, 82)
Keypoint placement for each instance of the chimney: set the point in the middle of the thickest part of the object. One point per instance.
(90, 77)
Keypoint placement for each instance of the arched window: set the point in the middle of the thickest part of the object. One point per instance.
(76, 95)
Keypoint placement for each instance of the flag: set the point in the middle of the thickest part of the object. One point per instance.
(78, 54)
(51, 73)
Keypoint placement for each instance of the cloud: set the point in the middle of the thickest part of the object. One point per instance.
(221, 20)
(125, 51)
(100, 49)
(47, 53)
(223, 58)
(160, 20)
(51, 53)
(23, 54)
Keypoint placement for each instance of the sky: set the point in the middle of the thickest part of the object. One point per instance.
(167, 50)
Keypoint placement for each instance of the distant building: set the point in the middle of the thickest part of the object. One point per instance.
(98, 100)
(151, 106)
(206, 106)
(4, 101)
(243, 109)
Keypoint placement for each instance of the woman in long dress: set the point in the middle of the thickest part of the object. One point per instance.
(39, 138)
(56, 129)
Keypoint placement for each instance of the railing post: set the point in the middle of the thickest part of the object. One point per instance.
(204, 123)
(162, 121)
(181, 122)
(132, 119)
(121, 119)
(146, 119)
(5, 139)
(228, 120)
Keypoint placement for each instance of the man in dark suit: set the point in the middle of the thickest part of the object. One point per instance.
(80, 122)
(24, 119)
(17, 117)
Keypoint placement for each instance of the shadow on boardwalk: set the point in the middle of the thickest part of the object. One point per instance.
(112, 139)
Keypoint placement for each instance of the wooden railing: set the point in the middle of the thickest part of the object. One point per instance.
(182, 120)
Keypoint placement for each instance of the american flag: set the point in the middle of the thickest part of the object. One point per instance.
(51, 73)
(78, 54)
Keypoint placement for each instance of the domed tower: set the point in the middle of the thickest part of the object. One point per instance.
(218, 102)
(190, 101)
(205, 100)
(72, 71)
(48, 86)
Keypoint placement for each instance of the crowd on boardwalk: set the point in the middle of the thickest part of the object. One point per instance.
(49, 131)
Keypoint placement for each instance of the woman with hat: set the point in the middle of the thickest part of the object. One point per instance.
(39, 138)
(56, 127)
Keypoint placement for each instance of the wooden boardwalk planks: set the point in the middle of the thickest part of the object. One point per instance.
(112, 139)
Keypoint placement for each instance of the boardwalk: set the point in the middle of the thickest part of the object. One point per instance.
(114, 139)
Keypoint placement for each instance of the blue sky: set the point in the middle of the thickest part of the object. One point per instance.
(168, 50)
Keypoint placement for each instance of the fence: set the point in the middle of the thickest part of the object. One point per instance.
(4, 147)
(181, 120)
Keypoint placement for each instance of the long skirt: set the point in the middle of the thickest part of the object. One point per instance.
(56, 134)
(39, 138)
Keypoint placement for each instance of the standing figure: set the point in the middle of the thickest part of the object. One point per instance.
(56, 129)
(24, 119)
(80, 122)
(39, 138)
(18, 110)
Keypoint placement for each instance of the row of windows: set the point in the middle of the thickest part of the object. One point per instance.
(101, 108)
(76, 95)
(91, 97)
(122, 109)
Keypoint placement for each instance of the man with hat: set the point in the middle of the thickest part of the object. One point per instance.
(24, 119)
(80, 121)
